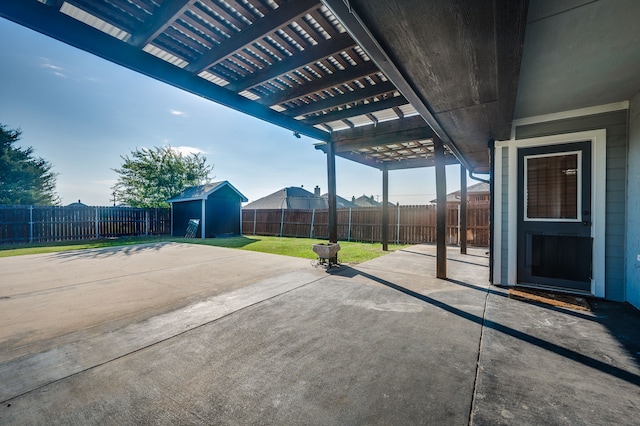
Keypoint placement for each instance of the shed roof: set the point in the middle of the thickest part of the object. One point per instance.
(202, 192)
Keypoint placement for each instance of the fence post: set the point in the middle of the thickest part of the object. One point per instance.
(97, 224)
(255, 213)
(349, 232)
(313, 217)
(398, 230)
(146, 222)
(30, 224)
(281, 222)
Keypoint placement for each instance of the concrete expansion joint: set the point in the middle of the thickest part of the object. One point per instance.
(475, 380)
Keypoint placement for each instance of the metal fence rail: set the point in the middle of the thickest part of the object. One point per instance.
(30, 224)
(407, 224)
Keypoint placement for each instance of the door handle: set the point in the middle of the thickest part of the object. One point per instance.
(586, 223)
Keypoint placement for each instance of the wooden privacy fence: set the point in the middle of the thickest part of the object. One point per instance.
(407, 224)
(28, 224)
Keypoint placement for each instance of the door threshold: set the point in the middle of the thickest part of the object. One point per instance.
(552, 297)
(552, 289)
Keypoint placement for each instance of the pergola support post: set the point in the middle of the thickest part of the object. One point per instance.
(441, 209)
(385, 209)
(463, 210)
(331, 180)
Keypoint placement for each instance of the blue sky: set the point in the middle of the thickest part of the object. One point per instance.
(81, 113)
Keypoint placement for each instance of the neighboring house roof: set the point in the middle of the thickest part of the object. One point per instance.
(202, 192)
(364, 201)
(76, 205)
(475, 189)
(292, 197)
(342, 203)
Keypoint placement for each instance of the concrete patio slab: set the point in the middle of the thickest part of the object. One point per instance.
(51, 299)
(381, 342)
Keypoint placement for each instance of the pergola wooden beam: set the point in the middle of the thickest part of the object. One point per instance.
(166, 15)
(441, 210)
(463, 210)
(310, 56)
(332, 198)
(388, 132)
(336, 79)
(400, 164)
(354, 111)
(387, 127)
(385, 209)
(355, 144)
(344, 99)
(283, 15)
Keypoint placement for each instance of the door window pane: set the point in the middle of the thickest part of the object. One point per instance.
(552, 187)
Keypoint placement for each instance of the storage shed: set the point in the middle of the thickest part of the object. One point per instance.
(216, 206)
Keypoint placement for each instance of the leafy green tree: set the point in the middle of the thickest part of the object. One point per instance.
(24, 178)
(150, 176)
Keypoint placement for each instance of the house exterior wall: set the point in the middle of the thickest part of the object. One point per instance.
(633, 200)
(616, 125)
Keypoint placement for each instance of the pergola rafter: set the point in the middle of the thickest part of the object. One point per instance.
(283, 15)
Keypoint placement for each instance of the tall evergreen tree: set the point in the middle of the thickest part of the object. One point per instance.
(150, 176)
(24, 178)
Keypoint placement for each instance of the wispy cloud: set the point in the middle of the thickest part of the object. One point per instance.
(187, 150)
(55, 69)
(92, 79)
(177, 113)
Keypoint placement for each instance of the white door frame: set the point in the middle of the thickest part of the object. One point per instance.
(598, 140)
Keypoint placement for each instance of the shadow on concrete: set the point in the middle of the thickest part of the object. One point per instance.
(450, 259)
(612, 320)
(131, 249)
(106, 252)
(623, 322)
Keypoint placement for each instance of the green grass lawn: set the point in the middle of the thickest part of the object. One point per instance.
(350, 252)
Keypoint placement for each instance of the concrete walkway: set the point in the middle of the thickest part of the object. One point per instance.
(187, 334)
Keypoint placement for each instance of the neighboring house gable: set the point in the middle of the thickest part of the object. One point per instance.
(296, 198)
(476, 194)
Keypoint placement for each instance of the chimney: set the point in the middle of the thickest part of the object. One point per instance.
(316, 191)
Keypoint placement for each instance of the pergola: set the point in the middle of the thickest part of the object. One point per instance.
(389, 84)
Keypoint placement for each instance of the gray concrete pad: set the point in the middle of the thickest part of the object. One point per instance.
(51, 299)
(272, 340)
(544, 365)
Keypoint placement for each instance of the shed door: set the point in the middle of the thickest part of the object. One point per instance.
(555, 241)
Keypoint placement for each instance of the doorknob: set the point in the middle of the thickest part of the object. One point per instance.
(586, 223)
